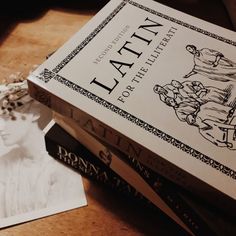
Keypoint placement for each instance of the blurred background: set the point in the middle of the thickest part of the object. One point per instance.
(221, 12)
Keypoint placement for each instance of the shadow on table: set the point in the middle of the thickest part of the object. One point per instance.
(213, 11)
(12, 13)
(134, 212)
(22, 11)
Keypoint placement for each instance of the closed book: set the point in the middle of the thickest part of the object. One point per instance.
(132, 171)
(64, 148)
(163, 82)
(204, 220)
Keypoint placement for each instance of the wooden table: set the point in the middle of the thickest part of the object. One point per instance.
(24, 43)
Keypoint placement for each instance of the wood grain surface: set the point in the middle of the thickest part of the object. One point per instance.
(26, 42)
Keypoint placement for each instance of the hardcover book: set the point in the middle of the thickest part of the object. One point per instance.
(82, 151)
(199, 216)
(163, 82)
(129, 174)
(66, 149)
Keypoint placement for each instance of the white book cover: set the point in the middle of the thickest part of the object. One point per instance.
(162, 78)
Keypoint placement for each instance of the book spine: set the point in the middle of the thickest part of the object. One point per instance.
(161, 187)
(113, 137)
(74, 155)
(77, 117)
(172, 196)
(125, 172)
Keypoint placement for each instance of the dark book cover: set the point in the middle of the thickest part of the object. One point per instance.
(67, 149)
(63, 147)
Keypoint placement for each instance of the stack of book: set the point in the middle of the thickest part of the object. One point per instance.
(144, 101)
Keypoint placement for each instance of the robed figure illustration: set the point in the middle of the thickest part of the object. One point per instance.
(211, 64)
(205, 107)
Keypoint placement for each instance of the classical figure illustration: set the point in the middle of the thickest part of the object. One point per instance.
(216, 123)
(205, 107)
(30, 179)
(191, 90)
(211, 64)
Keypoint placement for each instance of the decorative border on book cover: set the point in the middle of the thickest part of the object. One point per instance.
(46, 75)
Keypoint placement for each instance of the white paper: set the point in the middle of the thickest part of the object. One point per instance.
(33, 184)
